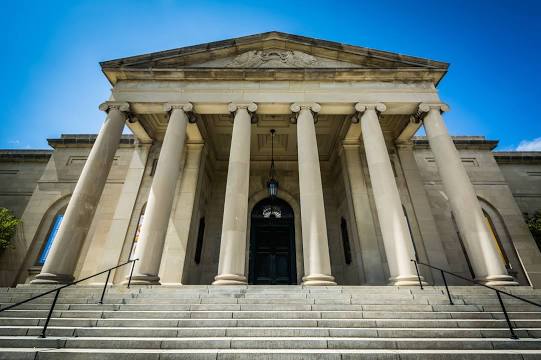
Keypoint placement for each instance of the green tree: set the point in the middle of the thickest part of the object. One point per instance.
(8, 227)
(534, 223)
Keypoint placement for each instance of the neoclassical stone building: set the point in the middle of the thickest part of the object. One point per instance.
(272, 159)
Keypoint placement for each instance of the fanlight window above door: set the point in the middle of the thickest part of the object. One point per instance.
(272, 211)
(272, 208)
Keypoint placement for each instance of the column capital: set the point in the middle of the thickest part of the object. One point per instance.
(296, 108)
(404, 145)
(378, 107)
(349, 144)
(250, 107)
(361, 108)
(186, 107)
(118, 105)
(425, 107)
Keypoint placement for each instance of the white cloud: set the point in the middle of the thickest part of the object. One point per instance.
(530, 145)
(14, 142)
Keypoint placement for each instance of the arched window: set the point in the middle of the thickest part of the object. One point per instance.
(494, 235)
(50, 238)
(345, 240)
(137, 233)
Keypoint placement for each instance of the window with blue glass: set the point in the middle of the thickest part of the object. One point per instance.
(50, 238)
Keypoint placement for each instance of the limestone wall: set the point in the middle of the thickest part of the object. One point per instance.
(496, 199)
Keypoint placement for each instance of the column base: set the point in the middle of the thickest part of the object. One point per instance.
(318, 280)
(498, 280)
(143, 280)
(50, 278)
(406, 280)
(229, 279)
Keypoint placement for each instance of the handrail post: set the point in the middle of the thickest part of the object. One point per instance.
(446, 287)
(105, 286)
(131, 272)
(513, 335)
(418, 275)
(50, 313)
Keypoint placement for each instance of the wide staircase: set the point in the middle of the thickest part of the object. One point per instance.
(269, 322)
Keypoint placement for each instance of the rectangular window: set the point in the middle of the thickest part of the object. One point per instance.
(50, 239)
(153, 167)
(199, 245)
(345, 241)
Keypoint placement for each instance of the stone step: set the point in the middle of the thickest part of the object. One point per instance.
(261, 314)
(268, 343)
(291, 322)
(435, 333)
(232, 300)
(268, 354)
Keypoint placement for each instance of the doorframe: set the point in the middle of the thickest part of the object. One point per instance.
(290, 223)
(295, 205)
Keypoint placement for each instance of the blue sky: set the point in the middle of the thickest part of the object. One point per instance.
(51, 82)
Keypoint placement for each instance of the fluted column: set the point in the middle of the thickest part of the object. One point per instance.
(64, 253)
(482, 250)
(231, 268)
(394, 229)
(160, 199)
(314, 227)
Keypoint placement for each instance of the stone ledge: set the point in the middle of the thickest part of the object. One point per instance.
(30, 155)
(85, 139)
(461, 142)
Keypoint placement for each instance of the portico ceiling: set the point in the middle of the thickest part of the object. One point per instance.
(217, 129)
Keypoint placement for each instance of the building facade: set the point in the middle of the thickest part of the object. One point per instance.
(218, 126)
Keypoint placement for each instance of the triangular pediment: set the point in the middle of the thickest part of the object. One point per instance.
(262, 54)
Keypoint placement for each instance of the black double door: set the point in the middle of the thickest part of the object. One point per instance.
(272, 252)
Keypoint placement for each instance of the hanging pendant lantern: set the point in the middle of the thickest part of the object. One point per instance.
(272, 183)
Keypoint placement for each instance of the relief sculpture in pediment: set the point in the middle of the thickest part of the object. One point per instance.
(273, 59)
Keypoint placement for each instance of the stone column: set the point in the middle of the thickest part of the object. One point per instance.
(394, 229)
(315, 244)
(64, 253)
(231, 267)
(160, 200)
(482, 250)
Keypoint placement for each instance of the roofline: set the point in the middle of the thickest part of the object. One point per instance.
(503, 157)
(121, 63)
(36, 155)
(269, 35)
(85, 139)
(462, 142)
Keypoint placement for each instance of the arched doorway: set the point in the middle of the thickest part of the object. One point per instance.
(272, 243)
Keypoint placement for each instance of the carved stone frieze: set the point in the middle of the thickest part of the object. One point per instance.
(276, 58)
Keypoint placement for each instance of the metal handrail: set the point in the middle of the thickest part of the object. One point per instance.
(57, 290)
(498, 292)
